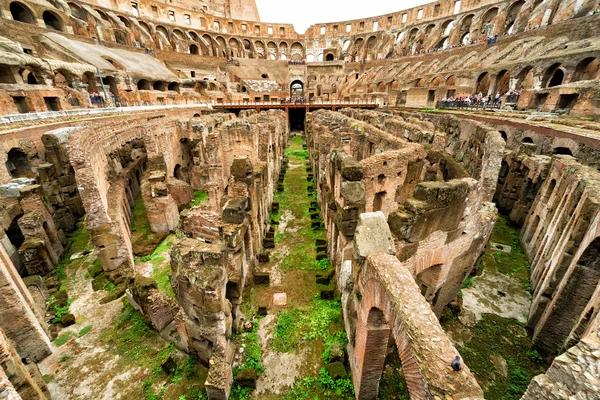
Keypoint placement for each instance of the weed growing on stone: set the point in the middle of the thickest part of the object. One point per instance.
(515, 263)
(200, 196)
(85, 331)
(63, 338)
(321, 387)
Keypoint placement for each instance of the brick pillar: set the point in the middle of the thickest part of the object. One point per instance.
(372, 336)
(17, 317)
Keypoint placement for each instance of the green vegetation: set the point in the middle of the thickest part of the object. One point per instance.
(200, 196)
(139, 218)
(64, 357)
(321, 387)
(161, 268)
(393, 385)
(84, 331)
(495, 339)
(135, 341)
(252, 358)
(63, 338)
(467, 283)
(515, 263)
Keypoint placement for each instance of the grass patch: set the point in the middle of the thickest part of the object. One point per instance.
(321, 387)
(252, 358)
(63, 338)
(514, 264)
(321, 321)
(85, 331)
(495, 337)
(200, 196)
(139, 218)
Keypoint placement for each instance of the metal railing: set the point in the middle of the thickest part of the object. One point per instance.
(297, 103)
(470, 105)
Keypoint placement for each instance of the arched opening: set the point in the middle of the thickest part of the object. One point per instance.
(17, 164)
(125, 21)
(178, 173)
(563, 151)
(527, 140)
(89, 79)
(6, 74)
(159, 85)
(503, 82)
(52, 21)
(526, 78)
(111, 83)
(483, 84)
(21, 13)
(297, 89)
(451, 81)
(587, 70)
(553, 76)
(371, 350)
(504, 136)
(378, 201)
(557, 78)
(174, 86)
(143, 84)
(77, 12)
(329, 57)
(14, 234)
(29, 77)
(178, 34)
(193, 49)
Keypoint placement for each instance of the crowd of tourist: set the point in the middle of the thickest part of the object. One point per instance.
(479, 100)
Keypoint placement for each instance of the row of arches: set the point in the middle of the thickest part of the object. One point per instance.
(22, 13)
(450, 32)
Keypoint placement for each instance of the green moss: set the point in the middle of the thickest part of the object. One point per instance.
(495, 338)
(139, 219)
(63, 338)
(200, 196)
(515, 263)
(85, 331)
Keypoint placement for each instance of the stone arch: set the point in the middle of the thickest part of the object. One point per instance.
(173, 86)
(194, 49)
(526, 78)
(451, 81)
(235, 47)
(512, 15)
(125, 21)
(193, 36)
(447, 27)
(222, 46)
(103, 16)
(20, 12)
(554, 76)
(160, 85)
(502, 82)
(483, 83)
(210, 43)
(163, 31)
(146, 27)
(487, 27)
(29, 76)
(329, 57)
(587, 69)
(563, 151)
(89, 79)
(435, 82)
(178, 34)
(17, 163)
(297, 51)
(77, 11)
(143, 84)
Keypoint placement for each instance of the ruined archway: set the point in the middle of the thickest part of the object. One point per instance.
(587, 69)
(502, 82)
(17, 163)
(297, 88)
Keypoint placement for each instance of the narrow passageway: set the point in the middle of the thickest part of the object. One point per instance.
(299, 339)
(488, 329)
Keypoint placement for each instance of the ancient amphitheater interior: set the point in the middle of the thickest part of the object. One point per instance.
(196, 204)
